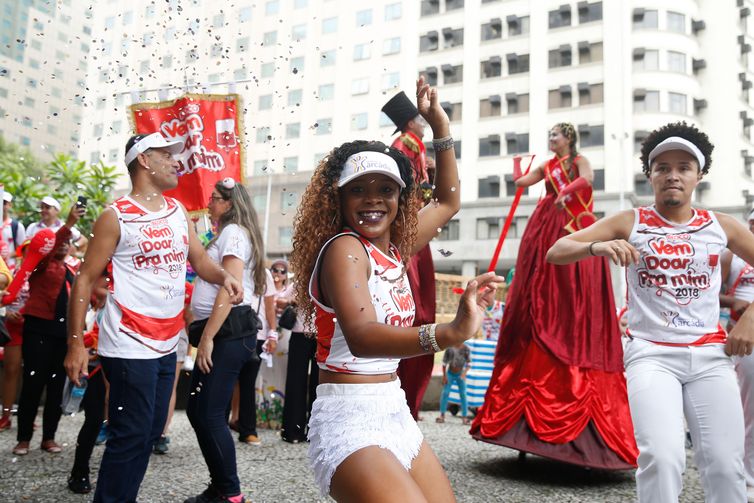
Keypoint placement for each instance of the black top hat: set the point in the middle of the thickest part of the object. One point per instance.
(400, 110)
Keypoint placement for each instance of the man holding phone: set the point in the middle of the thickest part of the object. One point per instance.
(49, 209)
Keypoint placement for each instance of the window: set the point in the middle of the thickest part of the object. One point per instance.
(598, 182)
(489, 146)
(518, 63)
(560, 56)
(391, 46)
(639, 137)
(646, 101)
(285, 236)
(298, 32)
(492, 30)
(591, 136)
(490, 107)
(454, 110)
(300, 4)
(431, 73)
(560, 17)
(677, 103)
(288, 201)
(242, 44)
(268, 70)
(297, 64)
(364, 17)
(270, 37)
(644, 19)
(453, 38)
(330, 25)
(167, 61)
(517, 103)
(391, 80)
(517, 143)
(492, 67)
(260, 167)
(385, 121)
(116, 127)
(239, 74)
(259, 201)
(359, 86)
(428, 42)
(590, 52)
(510, 185)
(450, 232)
(271, 8)
(676, 22)
(290, 165)
(326, 92)
(517, 25)
(265, 102)
(589, 94)
(560, 98)
(648, 60)
(359, 121)
(489, 186)
(293, 130)
(294, 97)
(452, 74)
(97, 130)
(324, 126)
(327, 58)
(393, 11)
(453, 4)
(362, 51)
(28, 102)
(589, 12)
(676, 62)
(263, 134)
(489, 227)
(244, 14)
(429, 7)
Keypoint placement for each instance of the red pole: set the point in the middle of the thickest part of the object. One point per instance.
(511, 213)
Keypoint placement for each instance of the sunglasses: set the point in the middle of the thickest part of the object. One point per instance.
(279, 271)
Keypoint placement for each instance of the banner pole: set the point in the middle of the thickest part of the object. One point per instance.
(509, 218)
(267, 209)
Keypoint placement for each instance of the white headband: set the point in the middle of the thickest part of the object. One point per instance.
(367, 162)
(677, 143)
(154, 140)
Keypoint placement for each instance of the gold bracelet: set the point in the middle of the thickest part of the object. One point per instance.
(432, 340)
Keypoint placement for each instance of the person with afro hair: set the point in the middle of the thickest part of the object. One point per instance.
(678, 358)
(356, 227)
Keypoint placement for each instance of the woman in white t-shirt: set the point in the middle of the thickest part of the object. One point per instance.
(227, 335)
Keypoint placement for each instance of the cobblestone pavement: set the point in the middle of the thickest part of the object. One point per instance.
(278, 472)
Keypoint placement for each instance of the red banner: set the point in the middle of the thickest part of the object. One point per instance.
(210, 126)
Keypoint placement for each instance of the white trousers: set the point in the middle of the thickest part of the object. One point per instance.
(745, 371)
(664, 384)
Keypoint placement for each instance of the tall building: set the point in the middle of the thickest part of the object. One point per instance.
(315, 73)
(44, 48)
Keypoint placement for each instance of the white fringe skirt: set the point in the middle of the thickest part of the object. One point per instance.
(349, 417)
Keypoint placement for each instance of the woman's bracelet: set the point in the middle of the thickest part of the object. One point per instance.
(427, 339)
(591, 252)
(445, 143)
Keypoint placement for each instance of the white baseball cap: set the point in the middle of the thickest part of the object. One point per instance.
(51, 201)
(154, 140)
(677, 143)
(7, 197)
(368, 162)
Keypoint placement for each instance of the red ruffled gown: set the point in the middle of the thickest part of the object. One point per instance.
(558, 389)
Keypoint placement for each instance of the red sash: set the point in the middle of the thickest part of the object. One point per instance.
(578, 205)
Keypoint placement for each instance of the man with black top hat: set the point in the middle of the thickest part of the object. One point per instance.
(415, 372)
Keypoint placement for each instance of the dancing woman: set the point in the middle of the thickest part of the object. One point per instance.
(558, 389)
(356, 225)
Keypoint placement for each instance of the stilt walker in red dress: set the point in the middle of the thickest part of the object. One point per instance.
(415, 372)
(558, 388)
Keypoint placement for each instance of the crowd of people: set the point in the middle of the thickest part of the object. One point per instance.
(570, 381)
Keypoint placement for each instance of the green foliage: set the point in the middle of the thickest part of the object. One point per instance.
(64, 178)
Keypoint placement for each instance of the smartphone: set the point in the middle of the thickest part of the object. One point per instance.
(81, 201)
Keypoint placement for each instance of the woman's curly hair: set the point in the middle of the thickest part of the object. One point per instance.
(319, 216)
(683, 130)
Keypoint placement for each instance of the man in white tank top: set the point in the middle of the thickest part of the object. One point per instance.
(737, 294)
(678, 359)
(144, 240)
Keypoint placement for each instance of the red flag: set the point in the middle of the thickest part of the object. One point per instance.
(209, 124)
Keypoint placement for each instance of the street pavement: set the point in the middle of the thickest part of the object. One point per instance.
(278, 472)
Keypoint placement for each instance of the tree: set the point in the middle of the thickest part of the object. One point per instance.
(64, 178)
